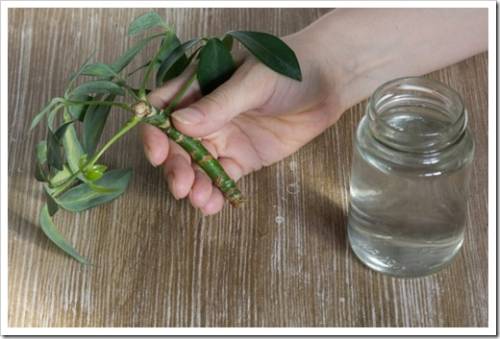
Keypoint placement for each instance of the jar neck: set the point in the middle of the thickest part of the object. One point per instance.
(416, 115)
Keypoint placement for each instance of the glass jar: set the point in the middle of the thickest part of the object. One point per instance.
(410, 176)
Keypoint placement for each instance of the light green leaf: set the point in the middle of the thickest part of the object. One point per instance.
(41, 152)
(216, 65)
(41, 157)
(60, 176)
(36, 120)
(101, 189)
(271, 51)
(72, 148)
(53, 234)
(83, 197)
(175, 63)
(93, 125)
(97, 87)
(144, 22)
(99, 70)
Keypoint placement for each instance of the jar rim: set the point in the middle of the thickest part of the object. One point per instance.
(430, 140)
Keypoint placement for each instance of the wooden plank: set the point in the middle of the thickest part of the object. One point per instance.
(281, 260)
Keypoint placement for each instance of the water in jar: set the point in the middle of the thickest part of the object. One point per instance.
(408, 209)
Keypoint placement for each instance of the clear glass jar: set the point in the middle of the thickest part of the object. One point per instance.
(410, 177)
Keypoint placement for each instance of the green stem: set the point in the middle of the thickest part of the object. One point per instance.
(125, 128)
(208, 163)
(198, 152)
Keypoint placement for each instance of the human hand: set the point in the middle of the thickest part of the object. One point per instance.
(254, 119)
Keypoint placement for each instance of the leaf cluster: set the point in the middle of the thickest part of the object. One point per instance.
(67, 159)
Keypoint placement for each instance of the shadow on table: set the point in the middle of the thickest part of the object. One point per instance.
(326, 218)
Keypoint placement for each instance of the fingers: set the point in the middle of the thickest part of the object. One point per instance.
(248, 88)
(155, 144)
(161, 96)
(178, 172)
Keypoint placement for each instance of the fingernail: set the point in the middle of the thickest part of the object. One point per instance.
(171, 185)
(149, 154)
(188, 116)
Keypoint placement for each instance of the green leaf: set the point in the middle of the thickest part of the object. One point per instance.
(100, 189)
(175, 63)
(97, 87)
(60, 176)
(77, 111)
(51, 203)
(130, 54)
(216, 65)
(93, 125)
(99, 70)
(39, 116)
(146, 21)
(40, 174)
(139, 68)
(83, 197)
(55, 156)
(93, 174)
(41, 152)
(41, 157)
(80, 69)
(138, 91)
(53, 234)
(72, 148)
(228, 42)
(271, 51)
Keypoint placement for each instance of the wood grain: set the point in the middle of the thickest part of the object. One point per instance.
(281, 260)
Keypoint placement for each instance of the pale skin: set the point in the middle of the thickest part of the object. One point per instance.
(259, 117)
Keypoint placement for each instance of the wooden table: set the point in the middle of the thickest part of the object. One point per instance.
(281, 260)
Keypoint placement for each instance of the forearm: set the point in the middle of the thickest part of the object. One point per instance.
(362, 48)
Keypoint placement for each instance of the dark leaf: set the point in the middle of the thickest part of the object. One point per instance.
(93, 125)
(51, 204)
(40, 173)
(59, 133)
(55, 156)
(77, 111)
(216, 65)
(130, 54)
(83, 197)
(228, 42)
(175, 63)
(271, 51)
(99, 70)
(97, 87)
(144, 22)
(53, 234)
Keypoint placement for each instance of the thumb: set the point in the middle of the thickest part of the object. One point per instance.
(244, 91)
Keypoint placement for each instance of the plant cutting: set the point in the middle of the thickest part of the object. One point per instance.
(68, 161)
